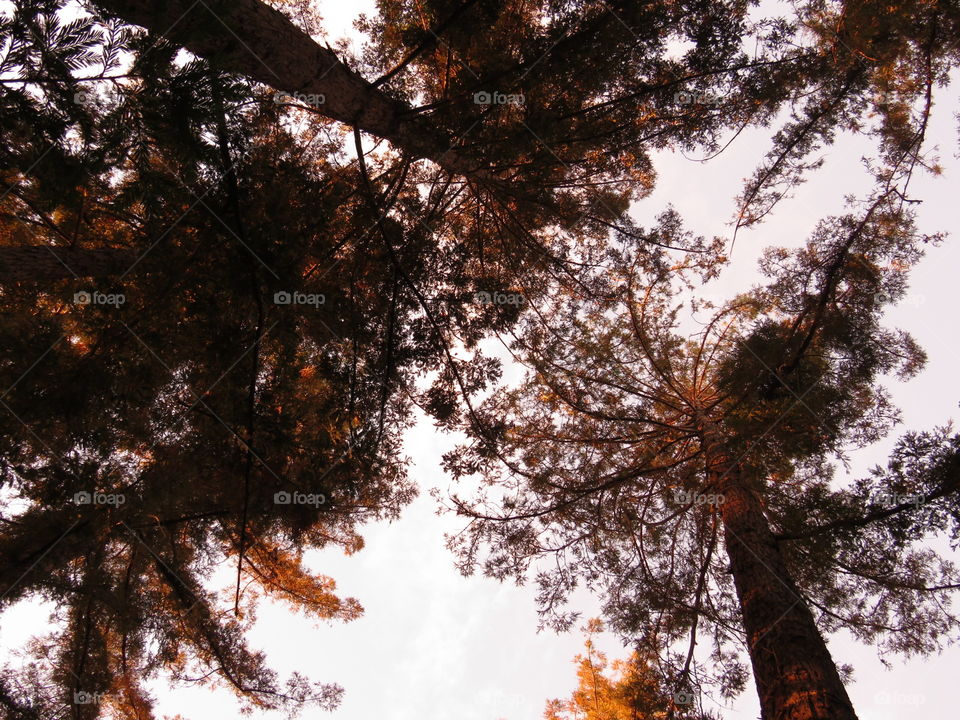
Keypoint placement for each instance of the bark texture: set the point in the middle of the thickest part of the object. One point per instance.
(252, 39)
(795, 675)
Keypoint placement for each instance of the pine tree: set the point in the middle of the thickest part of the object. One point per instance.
(679, 477)
(218, 400)
(222, 392)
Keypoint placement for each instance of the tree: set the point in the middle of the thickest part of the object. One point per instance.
(588, 88)
(630, 452)
(229, 200)
(130, 510)
(219, 398)
(632, 691)
(261, 43)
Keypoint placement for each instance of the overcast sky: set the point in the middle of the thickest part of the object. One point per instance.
(434, 645)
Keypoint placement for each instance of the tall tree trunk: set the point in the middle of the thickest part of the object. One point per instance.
(27, 263)
(252, 39)
(795, 675)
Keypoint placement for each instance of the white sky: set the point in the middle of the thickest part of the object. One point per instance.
(433, 645)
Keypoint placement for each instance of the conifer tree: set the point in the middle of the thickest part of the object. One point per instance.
(688, 479)
(213, 299)
(633, 689)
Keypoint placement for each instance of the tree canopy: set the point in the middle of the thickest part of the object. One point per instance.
(234, 261)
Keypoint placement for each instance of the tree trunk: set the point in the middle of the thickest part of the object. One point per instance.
(252, 39)
(795, 675)
(31, 263)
